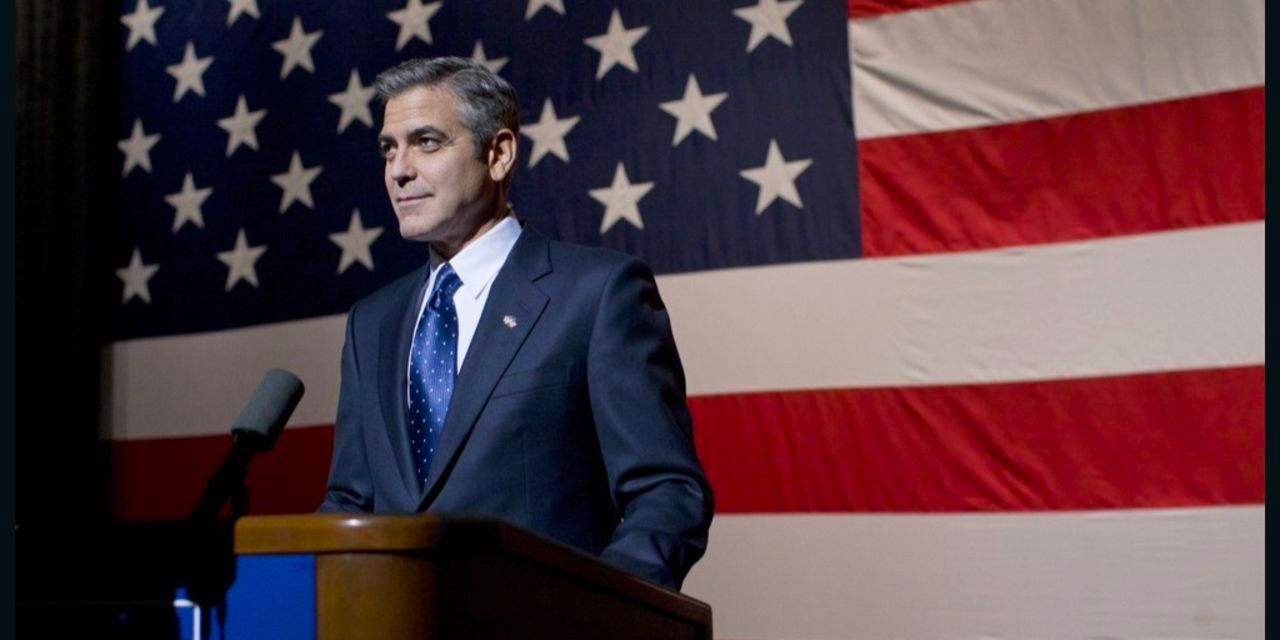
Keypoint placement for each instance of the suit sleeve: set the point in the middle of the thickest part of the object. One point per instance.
(350, 487)
(637, 392)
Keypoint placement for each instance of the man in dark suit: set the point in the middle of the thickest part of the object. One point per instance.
(513, 375)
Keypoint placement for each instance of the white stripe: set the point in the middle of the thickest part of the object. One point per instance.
(998, 61)
(196, 384)
(1184, 573)
(1155, 302)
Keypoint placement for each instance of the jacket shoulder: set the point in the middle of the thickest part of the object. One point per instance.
(393, 292)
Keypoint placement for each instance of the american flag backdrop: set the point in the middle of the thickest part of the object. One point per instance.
(969, 293)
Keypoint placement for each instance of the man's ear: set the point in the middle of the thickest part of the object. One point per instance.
(502, 155)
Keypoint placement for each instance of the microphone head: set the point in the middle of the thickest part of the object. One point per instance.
(269, 408)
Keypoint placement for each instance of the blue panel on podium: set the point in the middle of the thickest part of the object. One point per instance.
(273, 596)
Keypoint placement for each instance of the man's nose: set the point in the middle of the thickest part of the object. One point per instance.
(400, 170)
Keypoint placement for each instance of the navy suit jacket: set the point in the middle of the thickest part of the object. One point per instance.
(568, 415)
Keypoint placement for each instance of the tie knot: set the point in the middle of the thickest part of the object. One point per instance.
(447, 283)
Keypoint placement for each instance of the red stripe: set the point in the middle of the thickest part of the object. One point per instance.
(163, 478)
(1170, 165)
(1152, 440)
(872, 8)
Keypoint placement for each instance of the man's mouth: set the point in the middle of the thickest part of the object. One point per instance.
(410, 199)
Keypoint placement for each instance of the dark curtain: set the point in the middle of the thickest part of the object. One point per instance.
(67, 57)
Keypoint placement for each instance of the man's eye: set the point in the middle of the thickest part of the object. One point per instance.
(430, 144)
(387, 150)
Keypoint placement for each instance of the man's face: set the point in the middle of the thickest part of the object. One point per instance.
(440, 190)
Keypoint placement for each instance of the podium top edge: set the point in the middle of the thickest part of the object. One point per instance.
(426, 532)
(333, 532)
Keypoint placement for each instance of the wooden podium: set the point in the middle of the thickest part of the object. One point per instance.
(423, 576)
(331, 576)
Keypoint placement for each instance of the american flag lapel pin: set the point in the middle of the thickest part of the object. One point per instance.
(510, 321)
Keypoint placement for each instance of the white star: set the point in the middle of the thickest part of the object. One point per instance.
(693, 111)
(137, 148)
(189, 73)
(548, 134)
(296, 49)
(534, 5)
(620, 200)
(240, 261)
(495, 65)
(186, 203)
(242, 6)
(413, 21)
(615, 45)
(142, 24)
(296, 183)
(354, 102)
(355, 243)
(776, 178)
(239, 126)
(135, 277)
(768, 18)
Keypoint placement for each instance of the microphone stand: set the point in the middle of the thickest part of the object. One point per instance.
(227, 481)
(212, 568)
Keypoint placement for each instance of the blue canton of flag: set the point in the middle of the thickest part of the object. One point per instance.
(694, 135)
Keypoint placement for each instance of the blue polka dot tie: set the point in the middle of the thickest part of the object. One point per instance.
(431, 370)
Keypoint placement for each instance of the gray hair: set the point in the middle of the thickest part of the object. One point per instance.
(487, 102)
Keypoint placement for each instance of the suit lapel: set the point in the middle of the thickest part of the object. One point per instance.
(513, 300)
(395, 338)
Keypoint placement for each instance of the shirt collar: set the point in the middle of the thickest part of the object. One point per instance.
(478, 263)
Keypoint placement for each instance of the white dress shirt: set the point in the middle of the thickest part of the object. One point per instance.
(476, 265)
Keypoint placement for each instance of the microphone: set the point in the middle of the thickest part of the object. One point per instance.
(268, 409)
(255, 429)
